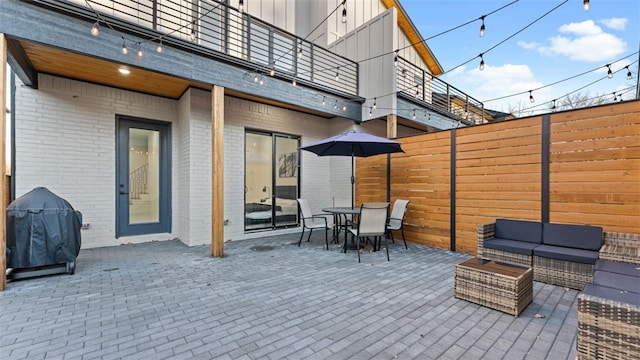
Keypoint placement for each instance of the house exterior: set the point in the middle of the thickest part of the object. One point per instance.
(193, 131)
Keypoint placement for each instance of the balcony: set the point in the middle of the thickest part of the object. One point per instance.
(217, 31)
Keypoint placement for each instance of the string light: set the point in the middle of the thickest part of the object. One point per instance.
(300, 50)
(344, 12)
(629, 75)
(375, 103)
(261, 82)
(481, 67)
(255, 78)
(159, 47)
(370, 111)
(192, 36)
(482, 26)
(586, 5)
(95, 29)
(554, 105)
(294, 83)
(337, 73)
(614, 96)
(324, 100)
(273, 71)
(335, 106)
(531, 99)
(609, 72)
(241, 6)
(414, 114)
(139, 52)
(395, 59)
(344, 107)
(125, 51)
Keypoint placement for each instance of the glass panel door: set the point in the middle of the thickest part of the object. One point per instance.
(271, 180)
(143, 181)
(286, 181)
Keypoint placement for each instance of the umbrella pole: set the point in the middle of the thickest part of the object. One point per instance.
(353, 182)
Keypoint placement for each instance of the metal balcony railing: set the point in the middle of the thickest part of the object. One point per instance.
(212, 25)
(415, 82)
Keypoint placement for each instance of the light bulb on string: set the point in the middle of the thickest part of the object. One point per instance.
(344, 107)
(192, 36)
(300, 50)
(261, 81)
(531, 99)
(614, 96)
(629, 75)
(324, 100)
(241, 6)
(370, 112)
(553, 107)
(344, 13)
(273, 71)
(414, 114)
(395, 59)
(124, 50)
(294, 83)
(481, 67)
(95, 29)
(585, 5)
(159, 47)
(139, 52)
(255, 78)
(482, 26)
(335, 106)
(337, 73)
(375, 103)
(609, 72)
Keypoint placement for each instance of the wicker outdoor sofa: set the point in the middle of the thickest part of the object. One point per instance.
(609, 308)
(609, 304)
(560, 254)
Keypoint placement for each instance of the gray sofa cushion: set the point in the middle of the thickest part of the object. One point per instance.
(567, 254)
(514, 246)
(528, 231)
(617, 281)
(573, 236)
(611, 293)
(618, 267)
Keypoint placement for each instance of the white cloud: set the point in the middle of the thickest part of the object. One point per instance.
(584, 41)
(457, 71)
(615, 23)
(528, 45)
(497, 81)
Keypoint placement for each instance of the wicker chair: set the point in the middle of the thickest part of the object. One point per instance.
(609, 312)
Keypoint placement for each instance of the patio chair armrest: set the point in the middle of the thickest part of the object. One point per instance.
(621, 247)
(485, 232)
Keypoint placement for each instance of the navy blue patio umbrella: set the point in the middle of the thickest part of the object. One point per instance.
(353, 143)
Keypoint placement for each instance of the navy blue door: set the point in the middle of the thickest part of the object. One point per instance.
(143, 177)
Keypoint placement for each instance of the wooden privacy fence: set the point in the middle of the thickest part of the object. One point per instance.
(578, 167)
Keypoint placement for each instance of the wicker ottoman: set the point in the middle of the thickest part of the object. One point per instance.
(503, 287)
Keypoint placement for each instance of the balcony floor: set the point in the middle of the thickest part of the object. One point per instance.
(269, 299)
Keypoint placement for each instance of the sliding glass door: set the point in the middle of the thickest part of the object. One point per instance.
(271, 180)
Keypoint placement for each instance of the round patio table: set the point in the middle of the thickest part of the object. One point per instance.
(338, 211)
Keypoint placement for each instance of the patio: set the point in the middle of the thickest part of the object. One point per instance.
(269, 299)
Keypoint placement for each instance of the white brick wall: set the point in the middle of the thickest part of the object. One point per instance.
(65, 141)
(66, 136)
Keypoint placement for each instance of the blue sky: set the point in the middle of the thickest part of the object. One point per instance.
(567, 42)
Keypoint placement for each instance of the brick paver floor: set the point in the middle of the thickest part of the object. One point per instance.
(269, 299)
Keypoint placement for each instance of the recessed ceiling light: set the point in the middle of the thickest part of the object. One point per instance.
(124, 71)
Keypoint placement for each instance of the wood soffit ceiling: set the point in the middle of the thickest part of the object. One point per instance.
(76, 66)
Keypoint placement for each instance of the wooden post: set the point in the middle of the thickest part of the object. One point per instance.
(217, 171)
(3, 163)
(392, 126)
